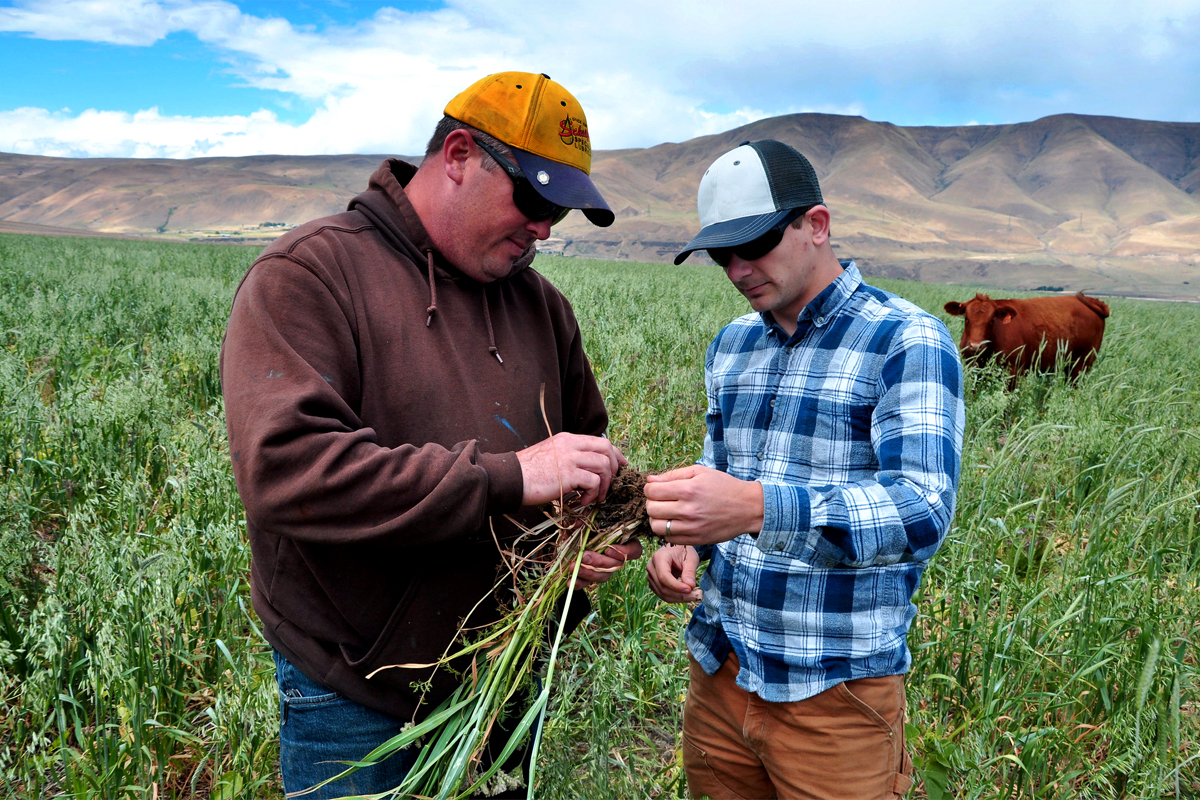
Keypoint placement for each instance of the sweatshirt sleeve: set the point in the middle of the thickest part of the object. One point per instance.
(903, 513)
(305, 465)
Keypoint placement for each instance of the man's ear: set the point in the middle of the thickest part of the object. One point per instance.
(456, 151)
(818, 218)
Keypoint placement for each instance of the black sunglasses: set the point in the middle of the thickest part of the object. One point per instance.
(756, 248)
(527, 199)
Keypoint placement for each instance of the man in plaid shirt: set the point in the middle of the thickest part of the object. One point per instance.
(828, 480)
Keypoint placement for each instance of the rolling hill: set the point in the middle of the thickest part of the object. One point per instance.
(1098, 203)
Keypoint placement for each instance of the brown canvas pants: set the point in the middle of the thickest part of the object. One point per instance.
(847, 742)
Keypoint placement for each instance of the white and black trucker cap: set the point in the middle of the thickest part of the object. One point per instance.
(750, 190)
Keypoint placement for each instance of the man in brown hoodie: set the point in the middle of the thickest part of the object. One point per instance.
(383, 372)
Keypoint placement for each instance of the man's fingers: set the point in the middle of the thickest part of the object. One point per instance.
(677, 489)
(567, 462)
(671, 583)
(589, 577)
(587, 498)
(595, 454)
(599, 567)
(691, 562)
(673, 597)
(630, 551)
(602, 562)
(613, 558)
(586, 578)
(669, 569)
(605, 482)
(658, 526)
(666, 586)
(660, 511)
(615, 455)
(598, 463)
(596, 444)
(586, 479)
(683, 473)
(624, 462)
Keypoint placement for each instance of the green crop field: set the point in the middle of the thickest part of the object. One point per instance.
(1055, 654)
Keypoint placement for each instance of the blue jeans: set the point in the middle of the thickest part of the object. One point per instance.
(318, 727)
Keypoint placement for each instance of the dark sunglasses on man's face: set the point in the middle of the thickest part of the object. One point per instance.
(527, 199)
(756, 248)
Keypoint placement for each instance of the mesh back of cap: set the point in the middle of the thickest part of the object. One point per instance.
(792, 179)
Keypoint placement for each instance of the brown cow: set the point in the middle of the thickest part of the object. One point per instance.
(1019, 330)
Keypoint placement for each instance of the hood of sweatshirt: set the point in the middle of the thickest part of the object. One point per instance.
(387, 206)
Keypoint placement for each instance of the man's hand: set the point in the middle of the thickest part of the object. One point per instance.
(599, 567)
(672, 573)
(703, 505)
(566, 463)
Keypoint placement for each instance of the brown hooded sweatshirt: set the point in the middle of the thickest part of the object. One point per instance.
(375, 399)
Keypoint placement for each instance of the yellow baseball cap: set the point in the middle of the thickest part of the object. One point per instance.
(546, 129)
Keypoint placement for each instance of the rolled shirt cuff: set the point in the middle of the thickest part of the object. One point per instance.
(788, 529)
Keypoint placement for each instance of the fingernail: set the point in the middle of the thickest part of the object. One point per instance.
(587, 559)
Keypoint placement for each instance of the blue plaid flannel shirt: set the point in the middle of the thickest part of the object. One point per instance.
(854, 427)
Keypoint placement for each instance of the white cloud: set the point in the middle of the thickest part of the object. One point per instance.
(144, 134)
(380, 84)
(131, 22)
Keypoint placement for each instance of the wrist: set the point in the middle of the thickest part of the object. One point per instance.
(753, 507)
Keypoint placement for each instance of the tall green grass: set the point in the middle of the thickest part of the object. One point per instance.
(1054, 655)
(131, 664)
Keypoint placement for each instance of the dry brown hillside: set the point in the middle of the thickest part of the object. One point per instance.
(178, 197)
(1097, 203)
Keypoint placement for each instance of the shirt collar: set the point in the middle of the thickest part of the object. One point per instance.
(822, 307)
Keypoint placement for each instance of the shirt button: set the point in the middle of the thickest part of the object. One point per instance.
(771, 403)
(788, 350)
(820, 320)
(779, 545)
(759, 455)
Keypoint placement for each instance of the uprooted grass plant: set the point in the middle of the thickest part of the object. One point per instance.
(1054, 655)
(508, 660)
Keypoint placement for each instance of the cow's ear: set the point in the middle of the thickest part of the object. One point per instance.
(955, 309)
(1006, 313)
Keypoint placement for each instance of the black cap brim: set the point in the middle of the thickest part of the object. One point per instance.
(568, 187)
(732, 232)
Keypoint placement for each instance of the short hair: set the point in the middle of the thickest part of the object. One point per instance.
(448, 125)
(798, 222)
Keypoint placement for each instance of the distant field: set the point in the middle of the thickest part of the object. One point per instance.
(1055, 655)
(8, 226)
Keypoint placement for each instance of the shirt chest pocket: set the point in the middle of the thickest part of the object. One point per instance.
(821, 436)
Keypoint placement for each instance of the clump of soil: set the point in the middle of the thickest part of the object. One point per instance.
(625, 503)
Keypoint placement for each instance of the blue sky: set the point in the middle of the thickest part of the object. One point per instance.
(186, 78)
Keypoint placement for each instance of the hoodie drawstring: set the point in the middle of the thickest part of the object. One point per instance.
(487, 314)
(487, 318)
(432, 290)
